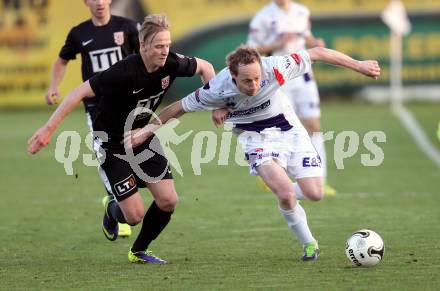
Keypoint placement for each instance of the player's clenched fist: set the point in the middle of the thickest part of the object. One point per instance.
(52, 96)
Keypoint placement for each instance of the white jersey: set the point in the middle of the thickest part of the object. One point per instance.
(272, 21)
(269, 108)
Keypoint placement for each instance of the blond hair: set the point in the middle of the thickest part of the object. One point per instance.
(243, 55)
(153, 24)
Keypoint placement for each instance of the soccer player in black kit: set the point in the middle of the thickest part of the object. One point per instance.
(131, 90)
(102, 41)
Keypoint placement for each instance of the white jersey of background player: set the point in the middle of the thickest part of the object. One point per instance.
(275, 143)
(280, 28)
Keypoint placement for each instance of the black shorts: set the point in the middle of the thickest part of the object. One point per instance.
(124, 174)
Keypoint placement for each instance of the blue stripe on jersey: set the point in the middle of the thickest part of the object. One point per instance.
(277, 121)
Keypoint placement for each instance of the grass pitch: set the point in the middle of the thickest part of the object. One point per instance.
(226, 234)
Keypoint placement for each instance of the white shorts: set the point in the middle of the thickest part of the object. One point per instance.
(303, 94)
(292, 150)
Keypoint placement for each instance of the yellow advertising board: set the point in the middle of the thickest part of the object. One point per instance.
(32, 32)
(31, 35)
(187, 15)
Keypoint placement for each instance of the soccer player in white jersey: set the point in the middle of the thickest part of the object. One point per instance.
(281, 28)
(277, 146)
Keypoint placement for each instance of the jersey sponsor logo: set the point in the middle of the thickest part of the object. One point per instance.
(165, 82)
(125, 186)
(119, 37)
(279, 76)
(264, 83)
(144, 107)
(250, 110)
(102, 59)
(84, 43)
(296, 58)
(311, 162)
(288, 62)
(255, 159)
(137, 91)
(268, 154)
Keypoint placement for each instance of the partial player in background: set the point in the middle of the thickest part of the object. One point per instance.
(102, 41)
(131, 90)
(280, 28)
(275, 143)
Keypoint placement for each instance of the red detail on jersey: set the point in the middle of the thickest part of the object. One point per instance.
(165, 82)
(279, 76)
(119, 37)
(253, 30)
(259, 150)
(196, 94)
(296, 58)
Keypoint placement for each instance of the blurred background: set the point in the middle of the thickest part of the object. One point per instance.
(33, 31)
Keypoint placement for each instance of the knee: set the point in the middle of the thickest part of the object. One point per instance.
(134, 217)
(167, 203)
(287, 199)
(315, 193)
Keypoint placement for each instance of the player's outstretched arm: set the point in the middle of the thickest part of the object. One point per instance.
(42, 136)
(58, 70)
(368, 68)
(136, 137)
(205, 70)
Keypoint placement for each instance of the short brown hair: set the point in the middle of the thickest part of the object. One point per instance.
(243, 55)
(153, 24)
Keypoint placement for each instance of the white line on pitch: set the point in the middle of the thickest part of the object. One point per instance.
(418, 134)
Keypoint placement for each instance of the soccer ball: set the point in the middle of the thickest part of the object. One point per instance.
(364, 248)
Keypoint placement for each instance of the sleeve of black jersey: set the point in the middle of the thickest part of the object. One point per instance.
(133, 36)
(111, 81)
(185, 66)
(69, 50)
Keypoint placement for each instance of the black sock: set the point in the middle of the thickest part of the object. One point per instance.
(115, 211)
(155, 220)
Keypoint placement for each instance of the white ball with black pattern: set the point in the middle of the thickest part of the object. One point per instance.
(365, 248)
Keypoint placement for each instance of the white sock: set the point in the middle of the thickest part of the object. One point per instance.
(297, 221)
(318, 142)
(298, 192)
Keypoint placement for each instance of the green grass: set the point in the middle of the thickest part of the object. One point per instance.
(226, 233)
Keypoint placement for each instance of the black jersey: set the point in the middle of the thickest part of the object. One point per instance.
(101, 46)
(128, 88)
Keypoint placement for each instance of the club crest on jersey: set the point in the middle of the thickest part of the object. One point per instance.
(165, 82)
(119, 37)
